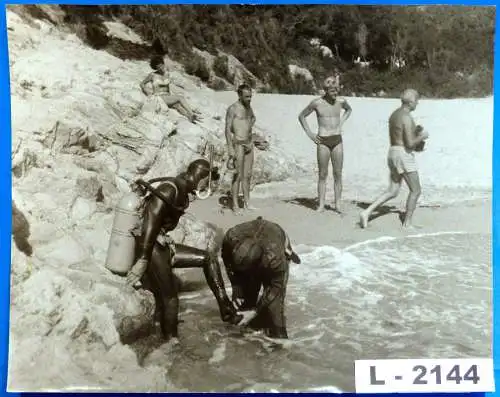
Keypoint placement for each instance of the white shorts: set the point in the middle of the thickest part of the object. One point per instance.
(400, 161)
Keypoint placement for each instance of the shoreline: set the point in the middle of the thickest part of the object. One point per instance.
(307, 227)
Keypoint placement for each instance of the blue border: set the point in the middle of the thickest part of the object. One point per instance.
(6, 183)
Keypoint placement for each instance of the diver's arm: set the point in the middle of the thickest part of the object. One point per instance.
(271, 292)
(154, 215)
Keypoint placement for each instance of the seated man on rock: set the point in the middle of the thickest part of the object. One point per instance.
(257, 254)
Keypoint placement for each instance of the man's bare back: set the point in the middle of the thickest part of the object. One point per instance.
(400, 122)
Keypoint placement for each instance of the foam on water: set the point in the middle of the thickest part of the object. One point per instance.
(420, 296)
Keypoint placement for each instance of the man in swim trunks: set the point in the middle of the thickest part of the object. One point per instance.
(329, 139)
(405, 138)
(240, 120)
(257, 254)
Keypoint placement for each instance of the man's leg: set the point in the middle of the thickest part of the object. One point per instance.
(389, 194)
(190, 257)
(413, 182)
(237, 177)
(337, 157)
(247, 178)
(323, 155)
(160, 280)
(276, 326)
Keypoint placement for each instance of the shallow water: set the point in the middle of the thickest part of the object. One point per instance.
(413, 297)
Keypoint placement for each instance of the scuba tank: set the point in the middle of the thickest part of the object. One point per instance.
(121, 253)
(208, 192)
(121, 249)
(128, 214)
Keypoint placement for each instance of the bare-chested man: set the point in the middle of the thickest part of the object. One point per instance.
(240, 120)
(405, 138)
(329, 138)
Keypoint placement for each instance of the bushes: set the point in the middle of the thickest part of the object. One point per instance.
(267, 38)
(221, 67)
(197, 66)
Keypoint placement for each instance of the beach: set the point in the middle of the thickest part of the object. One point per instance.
(379, 292)
(82, 131)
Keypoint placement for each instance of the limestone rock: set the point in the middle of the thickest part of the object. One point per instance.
(82, 131)
(66, 138)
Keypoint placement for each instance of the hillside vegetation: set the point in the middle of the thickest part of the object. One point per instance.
(444, 51)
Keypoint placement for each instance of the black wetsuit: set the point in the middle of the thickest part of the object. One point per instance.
(256, 254)
(159, 216)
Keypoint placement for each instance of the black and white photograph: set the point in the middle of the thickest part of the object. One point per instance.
(247, 198)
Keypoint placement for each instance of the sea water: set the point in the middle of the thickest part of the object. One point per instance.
(420, 296)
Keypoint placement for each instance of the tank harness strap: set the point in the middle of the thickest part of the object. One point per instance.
(160, 195)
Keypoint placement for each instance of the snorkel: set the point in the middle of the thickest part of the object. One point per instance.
(208, 192)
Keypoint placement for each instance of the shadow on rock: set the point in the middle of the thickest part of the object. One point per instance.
(21, 231)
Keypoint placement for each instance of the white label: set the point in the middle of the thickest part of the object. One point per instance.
(425, 375)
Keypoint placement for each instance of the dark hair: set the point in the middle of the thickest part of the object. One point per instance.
(243, 87)
(156, 61)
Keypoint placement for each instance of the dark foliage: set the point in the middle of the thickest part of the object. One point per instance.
(447, 50)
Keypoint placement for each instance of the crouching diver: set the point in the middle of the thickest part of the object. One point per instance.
(155, 254)
(257, 254)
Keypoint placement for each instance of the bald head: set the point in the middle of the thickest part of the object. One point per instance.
(409, 95)
(409, 98)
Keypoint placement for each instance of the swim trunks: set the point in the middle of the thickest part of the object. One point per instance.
(330, 141)
(400, 161)
(246, 143)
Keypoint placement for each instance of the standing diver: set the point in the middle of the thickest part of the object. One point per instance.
(257, 254)
(155, 254)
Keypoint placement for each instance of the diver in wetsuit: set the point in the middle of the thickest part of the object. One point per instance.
(155, 260)
(257, 254)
